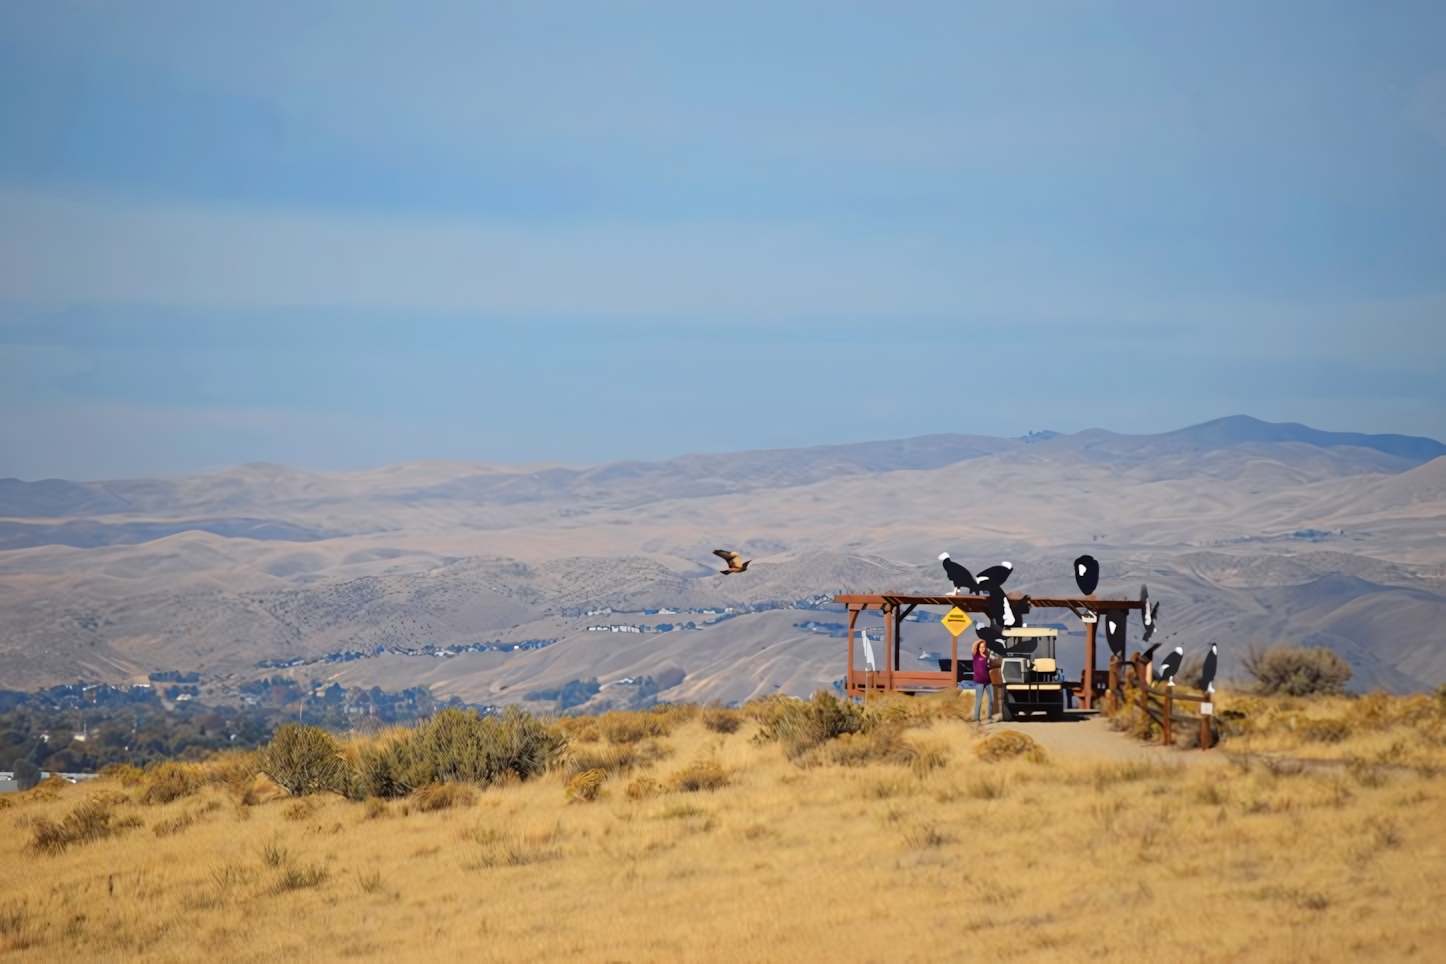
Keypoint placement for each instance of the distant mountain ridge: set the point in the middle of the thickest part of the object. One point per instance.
(633, 483)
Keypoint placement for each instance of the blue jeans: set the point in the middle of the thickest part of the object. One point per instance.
(981, 690)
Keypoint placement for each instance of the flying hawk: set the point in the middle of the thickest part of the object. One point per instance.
(736, 562)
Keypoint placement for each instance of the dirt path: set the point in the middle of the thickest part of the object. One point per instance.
(1087, 736)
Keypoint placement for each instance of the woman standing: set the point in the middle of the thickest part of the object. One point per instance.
(982, 687)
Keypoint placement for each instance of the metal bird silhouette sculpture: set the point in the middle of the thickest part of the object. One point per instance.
(1207, 673)
(958, 575)
(1171, 665)
(1087, 574)
(994, 575)
(1148, 613)
(1114, 620)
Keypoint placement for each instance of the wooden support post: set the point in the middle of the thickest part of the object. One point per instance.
(891, 655)
(1112, 699)
(1207, 710)
(954, 661)
(1089, 666)
(1165, 721)
(853, 621)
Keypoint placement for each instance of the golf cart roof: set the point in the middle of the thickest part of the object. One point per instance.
(1031, 631)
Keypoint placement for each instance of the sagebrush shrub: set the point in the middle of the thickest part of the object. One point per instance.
(442, 796)
(303, 760)
(721, 720)
(1298, 670)
(801, 725)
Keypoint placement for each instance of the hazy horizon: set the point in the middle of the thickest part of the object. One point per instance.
(342, 237)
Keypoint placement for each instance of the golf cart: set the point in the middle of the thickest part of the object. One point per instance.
(1032, 681)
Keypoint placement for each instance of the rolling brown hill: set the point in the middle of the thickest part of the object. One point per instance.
(1248, 533)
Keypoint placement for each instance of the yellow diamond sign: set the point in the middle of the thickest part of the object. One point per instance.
(957, 620)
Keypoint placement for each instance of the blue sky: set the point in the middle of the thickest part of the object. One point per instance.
(339, 235)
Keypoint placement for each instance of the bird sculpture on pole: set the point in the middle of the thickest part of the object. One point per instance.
(1207, 673)
(736, 562)
(1114, 620)
(1171, 665)
(1148, 613)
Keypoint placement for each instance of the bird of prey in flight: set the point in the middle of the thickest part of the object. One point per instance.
(736, 562)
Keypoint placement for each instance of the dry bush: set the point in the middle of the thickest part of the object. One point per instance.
(624, 727)
(506, 848)
(1009, 745)
(586, 786)
(1325, 731)
(443, 796)
(615, 758)
(642, 788)
(1297, 670)
(174, 825)
(236, 771)
(171, 781)
(91, 820)
(801, 725)
(304, 760)
(124, 773)
(298, 878)
(721, 720)
(699, 775)
(376, 807)
(299, 810)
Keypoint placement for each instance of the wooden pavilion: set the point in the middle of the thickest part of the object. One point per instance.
(896, 607)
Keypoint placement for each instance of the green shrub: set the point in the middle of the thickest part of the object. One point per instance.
(1297, 670)
(303, 760)
(455, 746)
(801, 725)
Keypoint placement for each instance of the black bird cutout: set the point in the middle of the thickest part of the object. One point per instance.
(992, 635)
(958, 575)
(1149, 654)
(735, 561)
(1114, 620)
(1001, 613)
(1086, 574)
(1171, 665)
(994, 575)
(1148, 613)
(1207, 673)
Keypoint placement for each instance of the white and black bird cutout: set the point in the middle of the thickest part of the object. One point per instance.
(736, 562)
(994, 575)
(958, 575)
(1087, 575)
(1207, 672)
(1148, 613)
(1001, 613)
(1114, 620)
(1171, 665)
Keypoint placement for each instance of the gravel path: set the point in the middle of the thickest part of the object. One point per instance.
(1088, 736)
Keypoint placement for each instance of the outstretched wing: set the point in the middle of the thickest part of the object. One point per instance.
(732, 558)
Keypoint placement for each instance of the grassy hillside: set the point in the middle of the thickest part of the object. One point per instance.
(785, 831)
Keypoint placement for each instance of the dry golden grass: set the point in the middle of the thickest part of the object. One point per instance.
(1185, 856)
